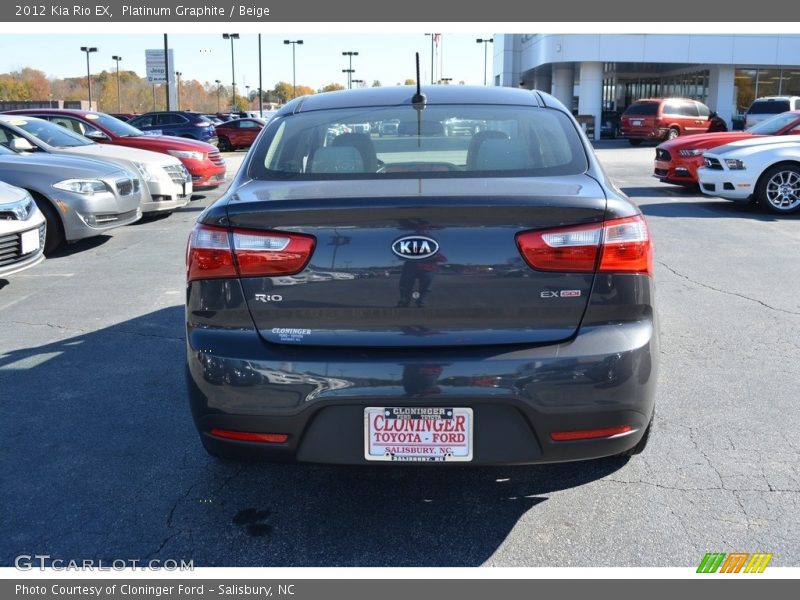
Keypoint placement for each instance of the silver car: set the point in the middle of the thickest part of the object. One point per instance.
(22, 231)
(79, 197)
(166, 184)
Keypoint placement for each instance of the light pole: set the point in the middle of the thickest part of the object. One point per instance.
(219, 87)
(349, 54)
(294, 78)
(247, 88)
(433, 39)
(349, 77)
(485, 43)
(88, 50)
(231, 37)
(178, 89)
(119, 97)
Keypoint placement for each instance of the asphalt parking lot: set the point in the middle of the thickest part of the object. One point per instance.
(101, 460)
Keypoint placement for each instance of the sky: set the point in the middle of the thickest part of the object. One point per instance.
(386, 57)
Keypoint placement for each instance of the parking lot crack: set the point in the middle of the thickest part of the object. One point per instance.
(50, 325)
(727, 292)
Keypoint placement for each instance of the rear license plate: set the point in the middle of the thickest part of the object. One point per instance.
(30, 241)
(636, 122)
(416, 433)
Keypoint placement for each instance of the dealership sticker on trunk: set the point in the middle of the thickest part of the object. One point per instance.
(418, 433)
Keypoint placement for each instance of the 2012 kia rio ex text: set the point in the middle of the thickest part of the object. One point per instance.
(483, 297)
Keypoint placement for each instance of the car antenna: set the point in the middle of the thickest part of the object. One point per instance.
(418, 101)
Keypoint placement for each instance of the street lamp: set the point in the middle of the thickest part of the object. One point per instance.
(219, 87)
(247, 89)
(446, 80)
(231, 37)
(88, 51)
(358, 81)
(485, 43)
(119, 97)
(178, 75)
(433, 39)
(349, 54)
(294, 78)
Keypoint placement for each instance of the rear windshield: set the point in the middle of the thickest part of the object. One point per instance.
(438, 141)
(642, 109)
(768, 107)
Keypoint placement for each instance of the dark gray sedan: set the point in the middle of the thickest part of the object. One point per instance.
(483, 298)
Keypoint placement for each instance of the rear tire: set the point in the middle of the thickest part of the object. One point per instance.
(634, 142)
(224, 144)
(55, 228)
(778, 189)
(639, 447)
(673, 133)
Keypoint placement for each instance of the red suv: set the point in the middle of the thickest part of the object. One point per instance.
(667, 118)
(202, 160)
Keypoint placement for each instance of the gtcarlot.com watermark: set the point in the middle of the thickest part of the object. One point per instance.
(29, 562)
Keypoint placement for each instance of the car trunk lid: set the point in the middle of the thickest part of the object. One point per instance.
(418, 262)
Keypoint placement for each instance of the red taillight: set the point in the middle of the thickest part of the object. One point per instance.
(627, 247)
(269, 253)
(618, 245)
(215, 252)
(589, 434)
(249, 436)
(209, 255)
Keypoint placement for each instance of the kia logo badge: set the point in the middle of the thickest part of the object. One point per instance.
(415, 247)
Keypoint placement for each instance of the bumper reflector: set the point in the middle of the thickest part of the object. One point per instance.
(589, 434)
(249, 436)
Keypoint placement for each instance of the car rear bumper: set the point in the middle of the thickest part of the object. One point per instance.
(604, 377)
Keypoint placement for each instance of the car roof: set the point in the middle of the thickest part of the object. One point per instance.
(399, 95)
(53, 111)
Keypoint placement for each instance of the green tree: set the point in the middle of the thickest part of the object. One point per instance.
(376, 83)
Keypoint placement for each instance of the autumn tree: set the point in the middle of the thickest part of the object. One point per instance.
(332, 87)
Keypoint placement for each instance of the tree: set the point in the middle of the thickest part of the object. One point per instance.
(283, 91)
(332, 87)
(410, 82)
(304, 90)
(376, 83)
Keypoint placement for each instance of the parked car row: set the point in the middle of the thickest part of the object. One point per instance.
(761, 163)
(77, 174)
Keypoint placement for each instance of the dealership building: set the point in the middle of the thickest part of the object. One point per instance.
(592, 73)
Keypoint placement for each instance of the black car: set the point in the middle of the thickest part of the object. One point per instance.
(440, 355)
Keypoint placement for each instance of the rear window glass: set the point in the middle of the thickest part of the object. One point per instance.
(439, 141)
(768, 107)
(645, 109)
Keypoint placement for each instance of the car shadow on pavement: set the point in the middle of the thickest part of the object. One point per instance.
(713, 210)
(102, 461)
(79, 246)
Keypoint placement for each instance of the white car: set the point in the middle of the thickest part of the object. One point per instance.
(766, 169)
(165, 182)
(22, 231)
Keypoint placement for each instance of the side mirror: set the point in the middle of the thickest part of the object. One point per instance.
(21, 144)
(96, 136)
(713, 114)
